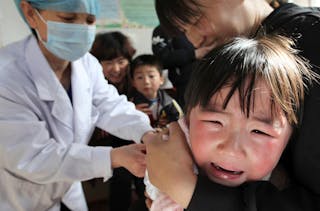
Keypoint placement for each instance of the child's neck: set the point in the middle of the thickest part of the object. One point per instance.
(154, 100)
(152, 97)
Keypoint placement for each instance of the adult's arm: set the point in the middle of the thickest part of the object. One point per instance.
(167, 176)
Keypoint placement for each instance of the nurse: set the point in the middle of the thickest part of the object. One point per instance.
(52, 95)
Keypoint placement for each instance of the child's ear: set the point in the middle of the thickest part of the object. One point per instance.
(161, 80)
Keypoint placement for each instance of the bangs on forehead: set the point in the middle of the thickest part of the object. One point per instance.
(112, 53)
(246, 88)
(174, 14)
(242, 64)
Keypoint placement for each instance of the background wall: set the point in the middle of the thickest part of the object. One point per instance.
(141, 38)
(1, 18)
(13, 28)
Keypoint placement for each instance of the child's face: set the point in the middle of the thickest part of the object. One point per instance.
(147, 80)
(232, 148)
(115, 70)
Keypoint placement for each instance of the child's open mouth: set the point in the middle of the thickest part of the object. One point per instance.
(221, 171)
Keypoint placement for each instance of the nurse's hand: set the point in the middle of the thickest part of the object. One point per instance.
(170, 165)
(132, 157)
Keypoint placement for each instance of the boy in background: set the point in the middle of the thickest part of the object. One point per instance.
(146, 76)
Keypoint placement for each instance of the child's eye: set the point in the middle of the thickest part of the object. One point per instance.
(215, 122)
(259, 132)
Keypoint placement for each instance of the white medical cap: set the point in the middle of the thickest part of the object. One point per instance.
(74, 6)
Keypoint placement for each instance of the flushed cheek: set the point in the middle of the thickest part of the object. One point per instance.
(262, 160)
(201, 147)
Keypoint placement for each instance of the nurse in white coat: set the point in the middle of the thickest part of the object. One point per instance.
(52, 95)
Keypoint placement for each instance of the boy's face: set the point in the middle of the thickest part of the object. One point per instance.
(147, 80)
(232, 148)
(220, 21)
(115, 70)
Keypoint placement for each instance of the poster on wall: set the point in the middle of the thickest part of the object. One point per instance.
(1, 28)
(127, 14)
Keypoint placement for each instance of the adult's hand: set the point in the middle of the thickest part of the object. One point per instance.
(170, 165)
(131, 157)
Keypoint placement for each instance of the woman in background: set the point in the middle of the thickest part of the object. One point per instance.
(114, 51)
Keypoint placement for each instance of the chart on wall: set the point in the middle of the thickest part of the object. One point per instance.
(127, 14)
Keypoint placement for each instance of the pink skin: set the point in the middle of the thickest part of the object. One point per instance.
(216, 26)
(147, 80)
(232, 148)
(115, 70)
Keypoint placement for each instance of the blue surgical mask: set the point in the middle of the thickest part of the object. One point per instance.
(68, 41)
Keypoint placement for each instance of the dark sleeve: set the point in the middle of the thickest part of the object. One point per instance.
(210, 196)
(254, 196)
(170, 56)
(171, 112)
(306, 149)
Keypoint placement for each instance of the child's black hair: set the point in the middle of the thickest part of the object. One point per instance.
(145, 59)
(241, 63)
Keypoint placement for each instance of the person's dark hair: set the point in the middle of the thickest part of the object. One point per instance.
(145, 59)
(110, 45)
(174, 13)
(243, 62)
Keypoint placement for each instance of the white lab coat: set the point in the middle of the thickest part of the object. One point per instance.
(43, 136)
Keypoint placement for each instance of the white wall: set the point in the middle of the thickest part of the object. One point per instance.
(13, 28)
(141, 38)
(1, 20)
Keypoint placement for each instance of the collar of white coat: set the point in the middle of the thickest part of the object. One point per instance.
(46, 82)
(50, 89)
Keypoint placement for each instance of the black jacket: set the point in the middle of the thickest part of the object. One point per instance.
(177, 55)
(302, 156)
(167, 106)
